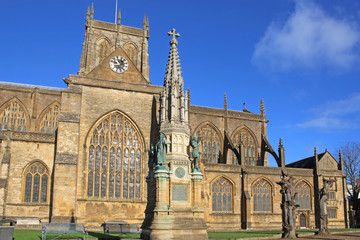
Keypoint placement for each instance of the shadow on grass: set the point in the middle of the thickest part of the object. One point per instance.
(101, 236)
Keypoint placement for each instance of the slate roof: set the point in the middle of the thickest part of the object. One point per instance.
(306, 162)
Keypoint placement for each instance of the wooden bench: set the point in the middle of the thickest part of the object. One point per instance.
(119, 227)
(61, 229)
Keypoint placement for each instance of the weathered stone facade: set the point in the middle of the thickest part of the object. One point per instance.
(81, 153)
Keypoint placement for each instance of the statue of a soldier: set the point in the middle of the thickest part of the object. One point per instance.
(161, 151)
(195, 154)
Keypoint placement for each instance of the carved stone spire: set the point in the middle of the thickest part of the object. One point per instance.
(92, 11)
(144, 22)
(262, 108)
(173, 102)
(281, 151)
(118, 30)
(119, 17)
(88, 13)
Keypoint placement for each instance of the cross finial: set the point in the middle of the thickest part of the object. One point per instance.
(173, 34)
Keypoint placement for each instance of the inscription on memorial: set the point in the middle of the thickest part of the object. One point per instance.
(179, 192)
(180, 162)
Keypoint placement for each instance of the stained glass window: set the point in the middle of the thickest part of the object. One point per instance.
(49, 120)
(303, 195)
(262, 196)
(13, 117)
(209, 143)
(36, 183)
(243, 138)
(222, 196)
(114, 158)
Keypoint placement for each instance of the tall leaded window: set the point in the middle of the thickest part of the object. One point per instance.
(209, 143)
(242, 137)
(332, 192)
(331, 212)
(13, 117)
(114, 158)
(303, 195)
(36, 183)
(262, 196)
(221, 195)
(50, 119)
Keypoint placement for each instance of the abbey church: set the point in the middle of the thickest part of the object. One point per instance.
(81, 153)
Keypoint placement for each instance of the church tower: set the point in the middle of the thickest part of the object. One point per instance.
(177, 211)
(103, 38)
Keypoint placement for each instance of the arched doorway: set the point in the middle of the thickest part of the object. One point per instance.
(302, 220)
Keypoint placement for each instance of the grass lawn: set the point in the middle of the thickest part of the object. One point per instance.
(36, 235)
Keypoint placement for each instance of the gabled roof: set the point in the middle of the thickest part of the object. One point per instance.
(306, 162)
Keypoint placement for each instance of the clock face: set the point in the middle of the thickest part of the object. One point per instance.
(119, 64)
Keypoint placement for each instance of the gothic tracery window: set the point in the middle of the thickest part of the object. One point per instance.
(209, 143)
(243, 138)
(131, 51)
(13, 117)
(262, 196)
(114, 159)
(303, 195)
(36, 183)
(49, 121)
(221, 195)
(103, 49)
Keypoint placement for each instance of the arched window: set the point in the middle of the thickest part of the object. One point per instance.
(131, 51)
(242, 137)
(303, 195)
(13, 117)
(50, 119)
(262, 196)
(36, 179)
(103, 48)
(209, 143)
(114, 158)
(221, 195)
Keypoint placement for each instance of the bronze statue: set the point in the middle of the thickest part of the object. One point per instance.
(151, 154)
(195, 154)
(161, 150)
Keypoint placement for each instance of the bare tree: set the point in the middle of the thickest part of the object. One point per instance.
(351, 160)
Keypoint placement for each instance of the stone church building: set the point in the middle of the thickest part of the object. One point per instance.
(81, 153)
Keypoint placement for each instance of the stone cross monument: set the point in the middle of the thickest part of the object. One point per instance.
(175, 209)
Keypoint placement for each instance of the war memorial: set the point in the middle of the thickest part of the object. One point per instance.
(111, 146)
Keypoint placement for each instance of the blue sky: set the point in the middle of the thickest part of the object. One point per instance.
(300, 56)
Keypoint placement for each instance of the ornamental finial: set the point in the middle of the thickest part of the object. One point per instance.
(173, 34)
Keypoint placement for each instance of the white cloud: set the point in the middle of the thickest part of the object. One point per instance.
(309, 38)
(335, 115)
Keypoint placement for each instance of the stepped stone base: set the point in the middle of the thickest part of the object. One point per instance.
(176, 227)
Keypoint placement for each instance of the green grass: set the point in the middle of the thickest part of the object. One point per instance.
(242, 234)
(36, 235)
